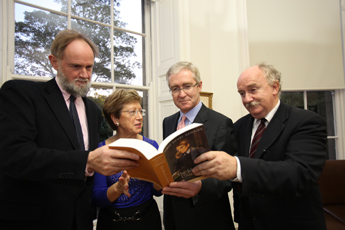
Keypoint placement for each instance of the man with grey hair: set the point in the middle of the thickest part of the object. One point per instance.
(46, 170)
(202, 204)
(281, 154)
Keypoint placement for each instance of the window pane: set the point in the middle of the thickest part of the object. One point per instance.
(100, 35)
(321, 102)
(331, 155)
(50, 4)
(98, 95)
(293, 98)
(128, 60)
(35, 30)
(128, 15)
(96, 10)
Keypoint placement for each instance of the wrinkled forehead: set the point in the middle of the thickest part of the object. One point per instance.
(250, 76)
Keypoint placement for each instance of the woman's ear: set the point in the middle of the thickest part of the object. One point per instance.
(114, 119)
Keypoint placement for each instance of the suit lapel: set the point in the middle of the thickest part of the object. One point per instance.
(273, 130)
(245, 132)
(172, 128)
(202, 117)
(247, 135)
(58, 105)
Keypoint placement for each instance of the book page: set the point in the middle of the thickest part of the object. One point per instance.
(175, 134)
(183, 148)
(148, 150)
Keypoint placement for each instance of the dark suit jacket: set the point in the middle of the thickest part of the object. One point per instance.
(280, 189)
(42, 174)
(212, 210)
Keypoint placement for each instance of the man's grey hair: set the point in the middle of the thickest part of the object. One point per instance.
(272, 75)
(183, 65)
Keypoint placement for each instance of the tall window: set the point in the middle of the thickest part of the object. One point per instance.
(320, 102)
(118, 27)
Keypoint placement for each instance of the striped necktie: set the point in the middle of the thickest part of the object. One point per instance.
(258, 134)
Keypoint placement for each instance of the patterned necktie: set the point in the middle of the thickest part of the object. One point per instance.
(258, 134)
(181, 124)
(75, 118)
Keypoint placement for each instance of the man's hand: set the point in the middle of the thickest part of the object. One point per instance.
(108, 161)
(183, 189)
(216, 164)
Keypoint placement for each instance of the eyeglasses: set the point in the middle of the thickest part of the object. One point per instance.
(187, 88)
(135, 112)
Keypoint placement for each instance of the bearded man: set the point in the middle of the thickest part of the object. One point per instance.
(49, 135)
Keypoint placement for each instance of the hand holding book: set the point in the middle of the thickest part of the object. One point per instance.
(174, 159)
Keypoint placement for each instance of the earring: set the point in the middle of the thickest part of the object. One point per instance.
(117, 124)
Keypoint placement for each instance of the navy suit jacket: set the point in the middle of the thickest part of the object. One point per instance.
(212, 209)
(42, 172)
(280, 189)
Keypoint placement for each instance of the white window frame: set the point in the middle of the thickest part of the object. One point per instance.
(339, 118)
(7, 49)
(8, 36)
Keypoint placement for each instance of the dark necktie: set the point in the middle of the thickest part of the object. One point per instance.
(256, 139)
(75, 118)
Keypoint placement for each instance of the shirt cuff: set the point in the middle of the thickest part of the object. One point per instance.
(87, 173)
(238, 177)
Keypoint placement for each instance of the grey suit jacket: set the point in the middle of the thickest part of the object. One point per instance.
(43, 184)
(212, 210)
(279, 189)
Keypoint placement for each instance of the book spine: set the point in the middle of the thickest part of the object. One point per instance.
(162, 170)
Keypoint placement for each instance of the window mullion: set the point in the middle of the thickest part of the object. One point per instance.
(69, 18)
(112, 77)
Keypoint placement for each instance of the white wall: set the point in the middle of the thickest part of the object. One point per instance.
(214, 48)
(209, 35)
(302, 39)
(1, 45)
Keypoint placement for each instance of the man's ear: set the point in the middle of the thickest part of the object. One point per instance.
(200, 86)
(275, 87)
(54, 61)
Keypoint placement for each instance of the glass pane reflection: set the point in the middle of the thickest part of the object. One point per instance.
(95, 10)
(98, 95)
(293, 98)
(331, 154)
(128, 60)
(321, 102)
(35, 30)
(128, 15)
(49, 4)
(100, 35)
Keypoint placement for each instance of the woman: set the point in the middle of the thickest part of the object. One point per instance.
(125, 203)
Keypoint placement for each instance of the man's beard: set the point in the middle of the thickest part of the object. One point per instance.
(72, 87)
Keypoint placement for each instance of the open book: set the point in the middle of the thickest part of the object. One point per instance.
(174, 159)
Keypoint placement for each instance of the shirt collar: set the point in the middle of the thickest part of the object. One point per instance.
(191, 114)
(64, 93)
(270, 115)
